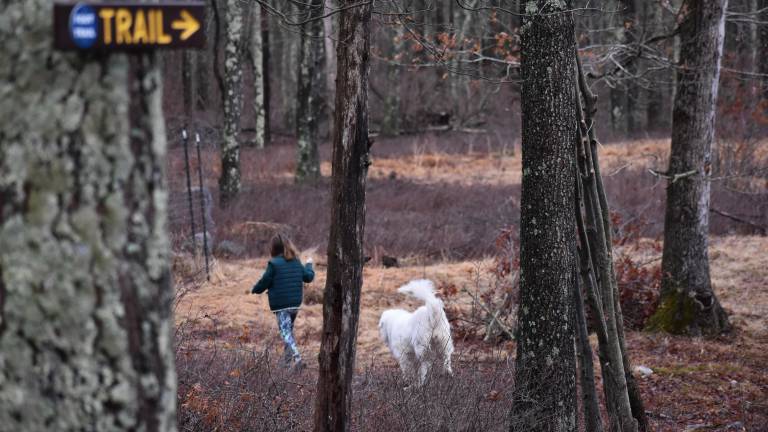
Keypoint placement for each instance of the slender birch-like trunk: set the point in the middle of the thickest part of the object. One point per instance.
(229, 181)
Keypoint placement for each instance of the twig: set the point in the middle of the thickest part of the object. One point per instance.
(501, 325)
(674, 177)
(761, 228)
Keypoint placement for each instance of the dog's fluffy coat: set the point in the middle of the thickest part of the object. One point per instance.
(421, 339)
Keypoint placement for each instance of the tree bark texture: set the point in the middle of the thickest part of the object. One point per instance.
(85, 289)
(633, 90)
(309, 92)
(762, 55)
(390, 124)
(350, 162)
(688, 304)
(188, 85)
(330, 64)
(546, 371)
(203, 65)
(654, 110)
(229, 182)
(265, 70)
(257, 66)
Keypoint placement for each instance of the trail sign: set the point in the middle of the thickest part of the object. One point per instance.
(128, 26)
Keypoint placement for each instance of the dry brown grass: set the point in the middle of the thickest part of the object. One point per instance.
(417, 213)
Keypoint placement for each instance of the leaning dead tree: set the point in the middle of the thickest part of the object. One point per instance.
(85, 290)
(341, 304)
(624, 405)
(688, 304)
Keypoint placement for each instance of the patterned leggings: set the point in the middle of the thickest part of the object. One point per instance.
(285, 321)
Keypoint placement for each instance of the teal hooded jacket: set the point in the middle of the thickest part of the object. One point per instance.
(284, 282)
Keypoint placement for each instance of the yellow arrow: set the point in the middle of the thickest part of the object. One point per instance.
(188, 24)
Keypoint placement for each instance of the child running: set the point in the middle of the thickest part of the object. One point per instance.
(284, 282)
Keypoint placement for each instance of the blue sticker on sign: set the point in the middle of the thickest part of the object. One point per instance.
(83, 26)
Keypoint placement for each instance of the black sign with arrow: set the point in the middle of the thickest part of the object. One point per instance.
(128, 26)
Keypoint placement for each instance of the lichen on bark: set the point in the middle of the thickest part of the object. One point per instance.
(86, 343)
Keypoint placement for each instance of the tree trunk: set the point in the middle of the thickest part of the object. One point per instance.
(330, 65)
(203, 66)
(188, 85)
(633, 90)
(341, 303)
(688, 304)
(762, 55)
(390, 124)
(257, 66)
(618, 386)
(289, 54)
(654, 112)
(229, 182)
(545, 370)
(85, 290)
(309, 92)
(591, 406)
(265, 70)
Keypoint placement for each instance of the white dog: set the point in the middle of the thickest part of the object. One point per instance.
(420, 338)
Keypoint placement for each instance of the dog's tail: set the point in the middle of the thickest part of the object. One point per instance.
(424, 290)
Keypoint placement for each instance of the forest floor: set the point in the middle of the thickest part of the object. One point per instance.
(696, 384)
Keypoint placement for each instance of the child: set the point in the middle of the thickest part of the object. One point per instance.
(284, 282)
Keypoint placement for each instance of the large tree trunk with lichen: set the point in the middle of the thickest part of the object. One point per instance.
(259, 85)
(688, 305)
(85, 288)
(229, 181)
(341, 304)
(310, 92)
(545, 370)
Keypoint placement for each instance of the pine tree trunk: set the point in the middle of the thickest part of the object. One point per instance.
(341, 303)
(257, 66)
(545, 370)
(309, 92)
(229, 182)
(85, 290)
(688, 304)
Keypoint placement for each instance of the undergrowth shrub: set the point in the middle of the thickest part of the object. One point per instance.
(226, 385)
(493, 295)
(637, 263)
